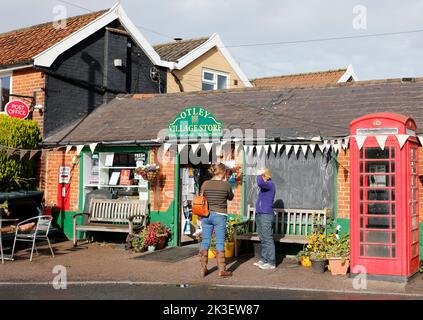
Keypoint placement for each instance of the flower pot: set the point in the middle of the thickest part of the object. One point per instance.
(161, 242)
(151, 248)
(212, 253)
(339, 266)
(318, 265)
(305, 261)
(229, 249)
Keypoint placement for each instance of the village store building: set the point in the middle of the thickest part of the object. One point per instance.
(307, 144)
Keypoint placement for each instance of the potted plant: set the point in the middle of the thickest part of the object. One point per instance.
(212, 248)
(138, 244)
(338, 253)
(162, 233)
(316, 246)
(303, 257)
(229, 237)
(151, 238)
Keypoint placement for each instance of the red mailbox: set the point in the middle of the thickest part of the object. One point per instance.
(384, 196)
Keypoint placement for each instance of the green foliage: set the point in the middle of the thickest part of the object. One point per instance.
(17, 174)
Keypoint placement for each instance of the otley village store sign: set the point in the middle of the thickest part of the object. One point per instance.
(195, 122)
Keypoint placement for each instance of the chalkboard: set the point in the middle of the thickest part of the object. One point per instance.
(302, 182)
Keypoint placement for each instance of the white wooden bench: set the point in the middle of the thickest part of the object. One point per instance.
(291, 225)
(111, 215)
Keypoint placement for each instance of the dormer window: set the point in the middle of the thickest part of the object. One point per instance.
(214, 80)
(5, 91)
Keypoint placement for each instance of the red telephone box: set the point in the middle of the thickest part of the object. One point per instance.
(384, 196)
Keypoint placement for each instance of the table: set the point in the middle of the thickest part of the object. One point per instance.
(1, 240)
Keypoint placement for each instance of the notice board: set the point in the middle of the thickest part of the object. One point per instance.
(302, 182)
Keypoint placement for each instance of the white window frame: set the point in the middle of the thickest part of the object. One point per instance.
(214, 81)
(3, 75)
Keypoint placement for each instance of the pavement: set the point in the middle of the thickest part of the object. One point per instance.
(110, 264)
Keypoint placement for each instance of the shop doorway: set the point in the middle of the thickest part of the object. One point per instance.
(191, 180)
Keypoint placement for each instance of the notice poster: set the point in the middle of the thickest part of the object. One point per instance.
(124, 177)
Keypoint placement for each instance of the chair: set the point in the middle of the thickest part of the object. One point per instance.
(42, 228)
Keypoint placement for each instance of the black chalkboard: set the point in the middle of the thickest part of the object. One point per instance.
(302, 182)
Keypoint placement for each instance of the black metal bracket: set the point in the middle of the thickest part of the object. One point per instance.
(33, 98)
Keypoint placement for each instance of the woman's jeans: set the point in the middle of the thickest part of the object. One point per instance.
(218, 223)
(264, 224)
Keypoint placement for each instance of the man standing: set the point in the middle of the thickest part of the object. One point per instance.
(265, 218)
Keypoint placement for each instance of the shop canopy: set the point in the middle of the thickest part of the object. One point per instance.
(285, 114)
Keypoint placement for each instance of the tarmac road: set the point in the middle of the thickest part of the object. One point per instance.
(144, 291)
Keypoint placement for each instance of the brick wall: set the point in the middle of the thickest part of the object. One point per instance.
(25, 82)
(56, 159)
(343, 184)
(163, 191)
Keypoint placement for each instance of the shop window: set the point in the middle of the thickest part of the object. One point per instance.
(214, 80)
(5, 91)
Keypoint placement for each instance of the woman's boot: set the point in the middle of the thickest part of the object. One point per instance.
(203, 262)
(221, 264)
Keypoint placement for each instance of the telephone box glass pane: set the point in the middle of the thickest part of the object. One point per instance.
(377, 153)
(378, 208)
(378, 237)
(374, 194)
(378, 251)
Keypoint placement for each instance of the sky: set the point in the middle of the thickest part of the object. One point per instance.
(240, 22)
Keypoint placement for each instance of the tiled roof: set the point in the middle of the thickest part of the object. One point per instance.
(173, 51)
(301, 79)
(289, 113)
(20, 46)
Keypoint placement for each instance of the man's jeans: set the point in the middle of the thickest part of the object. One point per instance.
(264, 224)
(218, 223)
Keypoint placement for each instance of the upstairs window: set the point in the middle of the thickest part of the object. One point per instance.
(214, 80)
(5, 91)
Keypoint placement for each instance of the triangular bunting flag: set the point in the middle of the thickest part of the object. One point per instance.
(360, 141)
(194, 148)
(273, 147)
(296, 148)
(304, 148)
(345, 142)
(266, 148)
(420, 139)
(22, 153)
(181, 146)
(79, 149)
(312, 147)
(322, 147)
(218, 149)
(402, 138)
(10, 152)
(208, 147)
(336, 147)
(166, 147)
(381, 140)
(92, 146)
(32, 153)
(68, 148)
(327, 145)
(258, 149)
(288, 148)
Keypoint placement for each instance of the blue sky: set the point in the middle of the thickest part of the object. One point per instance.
(255, 21)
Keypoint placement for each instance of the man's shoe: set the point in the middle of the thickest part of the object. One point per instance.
(267, 266)
(258, 263)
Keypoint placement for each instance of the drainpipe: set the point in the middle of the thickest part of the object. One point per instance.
(177, 80)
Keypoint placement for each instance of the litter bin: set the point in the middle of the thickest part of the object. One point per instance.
(22, 204)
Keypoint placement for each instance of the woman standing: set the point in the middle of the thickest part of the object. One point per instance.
(217, 191)
(265, 218)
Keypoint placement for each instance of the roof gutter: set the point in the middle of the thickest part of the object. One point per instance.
(9, 68)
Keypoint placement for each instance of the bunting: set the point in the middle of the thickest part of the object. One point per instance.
(296, 148)
(181, 146)
(68, 148)
(402, 138)
(360, 141)
(79, 149)
(381, 140)
(194, 148)
(92, 146)
(273, 147)
(304, 149)
(288, 148)
(312, 147)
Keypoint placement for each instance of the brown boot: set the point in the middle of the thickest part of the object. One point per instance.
(220, 257)
(204, 257)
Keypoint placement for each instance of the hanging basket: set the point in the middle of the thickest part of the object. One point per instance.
(151, 176)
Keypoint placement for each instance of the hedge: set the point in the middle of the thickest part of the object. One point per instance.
(17, 174)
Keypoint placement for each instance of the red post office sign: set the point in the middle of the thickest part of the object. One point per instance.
(17, 109)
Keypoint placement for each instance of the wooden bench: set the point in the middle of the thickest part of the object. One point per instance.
(291, 225)
(111, 215)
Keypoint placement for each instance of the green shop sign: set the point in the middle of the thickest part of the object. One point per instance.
(195, 122)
